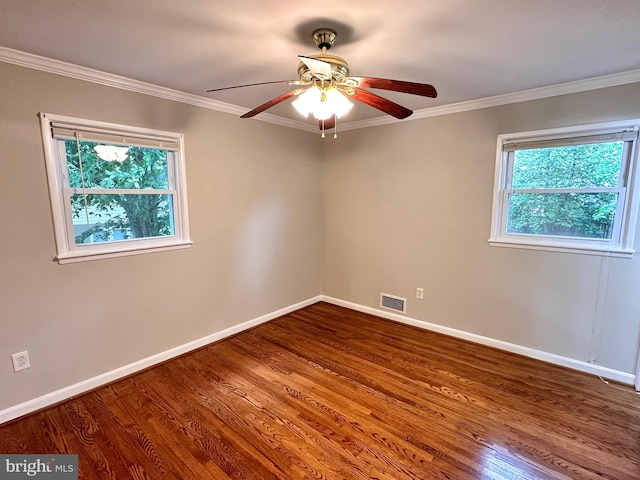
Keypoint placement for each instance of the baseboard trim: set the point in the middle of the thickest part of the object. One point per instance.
(84, 386)
(579, 365)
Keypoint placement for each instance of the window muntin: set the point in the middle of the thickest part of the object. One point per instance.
(114, 189)
(566, 189)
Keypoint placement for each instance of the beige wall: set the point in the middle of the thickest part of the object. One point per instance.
(409, 205)
(255, 210)
(277, 218)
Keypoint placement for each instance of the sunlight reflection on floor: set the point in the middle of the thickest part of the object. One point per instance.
(501, 464)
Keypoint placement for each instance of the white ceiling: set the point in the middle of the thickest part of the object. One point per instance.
(468, 49)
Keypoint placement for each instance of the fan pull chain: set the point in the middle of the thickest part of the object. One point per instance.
(335, 127)
(84, 195)
(323, 135)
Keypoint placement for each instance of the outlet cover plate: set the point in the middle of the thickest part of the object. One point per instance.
(20, 361)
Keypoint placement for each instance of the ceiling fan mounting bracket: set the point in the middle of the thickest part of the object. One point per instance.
(324, 38)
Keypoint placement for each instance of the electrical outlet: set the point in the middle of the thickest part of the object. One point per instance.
(420, 293)
(20, 361)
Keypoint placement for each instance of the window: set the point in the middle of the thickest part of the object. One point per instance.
(570, 189)
(115, 190)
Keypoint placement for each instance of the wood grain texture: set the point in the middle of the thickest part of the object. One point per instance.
(329, 393)
(412, 88)
(376, 101)
(271, 103)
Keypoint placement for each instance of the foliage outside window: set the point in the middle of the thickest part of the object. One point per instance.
(114, 189)
(567, 189)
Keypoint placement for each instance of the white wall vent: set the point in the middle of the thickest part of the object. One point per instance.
(392, 302)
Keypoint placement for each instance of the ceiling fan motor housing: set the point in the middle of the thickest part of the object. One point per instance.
(339, 68)
(324, 38)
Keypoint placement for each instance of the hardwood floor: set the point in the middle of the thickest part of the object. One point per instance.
(329, 393)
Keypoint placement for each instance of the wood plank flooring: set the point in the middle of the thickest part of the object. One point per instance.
(329, 393)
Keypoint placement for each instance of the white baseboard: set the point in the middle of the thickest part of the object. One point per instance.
(108, 377)
(604, 372)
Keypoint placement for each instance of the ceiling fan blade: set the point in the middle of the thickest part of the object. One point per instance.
(318, 68)
(290, 82)
(327, 124)
(412, 88)
(381, 103)
(271, 103)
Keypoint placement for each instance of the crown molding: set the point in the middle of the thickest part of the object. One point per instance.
(613, 80)
(58, 67)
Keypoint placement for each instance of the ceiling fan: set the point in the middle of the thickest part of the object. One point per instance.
(325, 87)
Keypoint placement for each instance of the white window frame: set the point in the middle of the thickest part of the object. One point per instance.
(622, 242)
(57, 176)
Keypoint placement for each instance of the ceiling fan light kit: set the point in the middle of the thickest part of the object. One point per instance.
(322, 103)
(329, 87)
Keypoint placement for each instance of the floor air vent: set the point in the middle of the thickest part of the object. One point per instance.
(391, 302)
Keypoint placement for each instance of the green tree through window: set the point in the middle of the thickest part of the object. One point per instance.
(555, 190)
(570, 189)
(127, 208)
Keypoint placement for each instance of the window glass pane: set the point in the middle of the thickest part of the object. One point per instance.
(108, 217)
(116, 167)
(586, 215)
(573, 166)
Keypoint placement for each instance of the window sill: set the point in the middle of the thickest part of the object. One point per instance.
(563, 248)
(94, 254)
